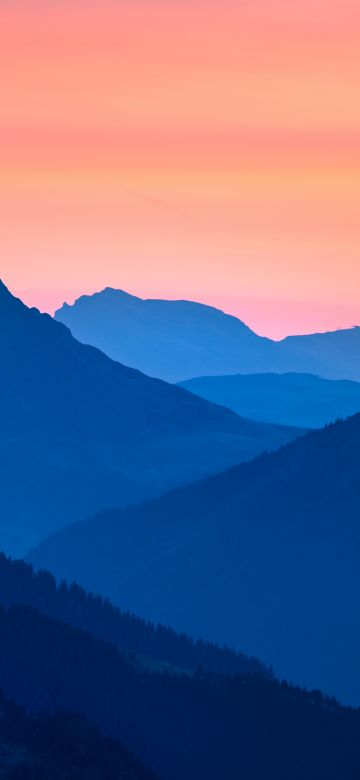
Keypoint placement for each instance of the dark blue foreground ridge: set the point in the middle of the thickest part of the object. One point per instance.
(264, 557)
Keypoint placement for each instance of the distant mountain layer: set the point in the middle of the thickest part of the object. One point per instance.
(264, 557)
(287, 399)
(179, 340)
(180, 725)
(80, 432)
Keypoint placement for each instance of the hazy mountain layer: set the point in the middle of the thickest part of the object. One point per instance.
(287, 399)
(179, 340)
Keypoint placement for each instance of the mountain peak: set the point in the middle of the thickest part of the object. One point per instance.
(70, 413)
(118, 293)
(168, 339)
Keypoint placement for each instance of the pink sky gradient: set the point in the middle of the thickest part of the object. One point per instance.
(184, 149)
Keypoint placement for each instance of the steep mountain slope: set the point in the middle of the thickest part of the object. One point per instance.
(179, 340)
(19, 584)
(264, 557)
(59, 747)
(80, 432)
(287, 399)
(182, 726)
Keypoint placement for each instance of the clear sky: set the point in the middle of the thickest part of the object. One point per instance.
(184, 148)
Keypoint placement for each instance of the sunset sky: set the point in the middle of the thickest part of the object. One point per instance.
(184, 148)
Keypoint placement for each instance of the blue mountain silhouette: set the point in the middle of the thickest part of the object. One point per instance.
(179, 340)
(288, 399)
(80, 432)
(264, 557)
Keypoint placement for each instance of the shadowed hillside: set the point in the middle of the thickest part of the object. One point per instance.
(199, 726)
(264, 557)
(60, 747)
(19, 584)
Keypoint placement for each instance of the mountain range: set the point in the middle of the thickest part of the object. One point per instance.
(179, 340)
(179, 723)
(80, 432)
(302, 400)
(258, 561)
(20, 585)
(264, 557)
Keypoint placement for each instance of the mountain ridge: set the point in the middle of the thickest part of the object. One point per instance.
(81, 432)
(232, 727)
(21, 585)
(58, 746)
(177, 340)
(154, 329)
(263, 557)
(305, 400)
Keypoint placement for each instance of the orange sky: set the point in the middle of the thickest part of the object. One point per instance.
(184, 148)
